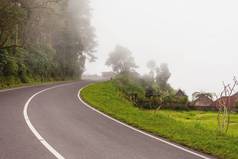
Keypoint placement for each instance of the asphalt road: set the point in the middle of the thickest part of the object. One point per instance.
(73, 129)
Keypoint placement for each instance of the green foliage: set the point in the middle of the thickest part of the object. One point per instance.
(129, 84)
(162, 76)
(40, 60)
(3, 60)
(42, 41)
(194, 129)
(11, 67)
(197, 95)
(121, 60)
(148, 96)
(11, 15)
(180, 100)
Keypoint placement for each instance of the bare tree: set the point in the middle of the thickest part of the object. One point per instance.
(224, 106)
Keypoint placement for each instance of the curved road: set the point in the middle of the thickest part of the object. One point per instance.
(73, 129)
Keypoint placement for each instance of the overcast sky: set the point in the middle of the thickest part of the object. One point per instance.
(198, 39)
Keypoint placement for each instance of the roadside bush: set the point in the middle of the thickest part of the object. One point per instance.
(150, 92)
(130, 85)
(180, 100)
(148, 96)
(22, 73)
(7, 81)
(150, 103)
(11, 67)
(39, 60)
(3, 60)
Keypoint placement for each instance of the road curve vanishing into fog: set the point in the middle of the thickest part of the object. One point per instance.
(48, 122)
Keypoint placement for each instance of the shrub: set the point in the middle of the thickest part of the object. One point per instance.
(145, 96)
(11, 67)
(130, 84)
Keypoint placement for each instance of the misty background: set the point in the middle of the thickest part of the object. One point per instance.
(198, 39)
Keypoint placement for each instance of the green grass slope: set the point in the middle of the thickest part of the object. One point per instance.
(191, 128)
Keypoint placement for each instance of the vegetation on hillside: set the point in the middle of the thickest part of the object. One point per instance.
(151, 91)
(42, 40)
(195, 129)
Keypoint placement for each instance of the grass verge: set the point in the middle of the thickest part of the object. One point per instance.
(194, 129)
(32, 84)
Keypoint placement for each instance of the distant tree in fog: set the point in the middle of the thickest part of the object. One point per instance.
(151, 65)
(162, 76)
(121, 60)
(148, 80)
(200, 94)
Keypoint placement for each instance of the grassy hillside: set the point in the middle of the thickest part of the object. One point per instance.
(194, 129)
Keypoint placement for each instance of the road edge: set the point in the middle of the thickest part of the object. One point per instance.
(34, 85)
(138, 130)
(33, 129)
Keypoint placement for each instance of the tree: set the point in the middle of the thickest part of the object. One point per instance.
(45, 39)
(121, 60)
(200, 94)
(151, 65)
(11, 15)
(148, 80)
(224, 105)
(162, 76)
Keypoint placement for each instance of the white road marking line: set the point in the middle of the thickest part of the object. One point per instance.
(32, 128)
(142, 132)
